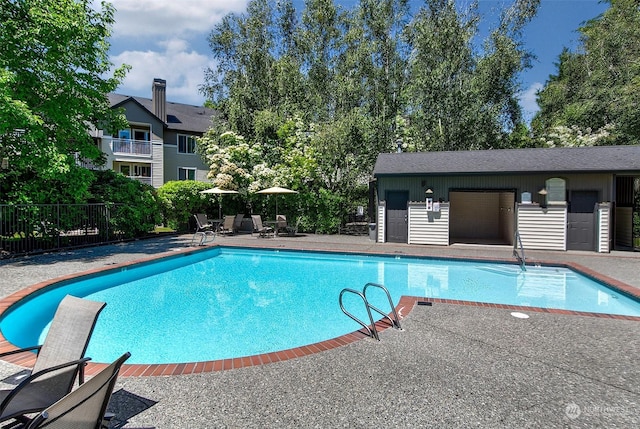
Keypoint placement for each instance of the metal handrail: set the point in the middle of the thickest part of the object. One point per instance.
(372, 331)
(395, 323)
(519, 256)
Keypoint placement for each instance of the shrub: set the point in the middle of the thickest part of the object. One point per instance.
(136, 209)
(181, 199)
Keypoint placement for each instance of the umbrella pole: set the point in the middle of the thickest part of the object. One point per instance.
(220, 207)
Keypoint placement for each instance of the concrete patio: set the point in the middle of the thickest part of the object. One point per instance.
(452, 365)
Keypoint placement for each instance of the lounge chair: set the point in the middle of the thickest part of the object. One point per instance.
(227, 226)
(59, 361)
(237, 222)
(85, 407)
(204, 230)
(263, 231)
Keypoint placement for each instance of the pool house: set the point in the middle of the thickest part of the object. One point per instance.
(548, 198)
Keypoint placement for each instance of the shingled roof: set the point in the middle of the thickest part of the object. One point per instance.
(511, 161)
(180, 117)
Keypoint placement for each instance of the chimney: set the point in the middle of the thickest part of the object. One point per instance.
(159, 98)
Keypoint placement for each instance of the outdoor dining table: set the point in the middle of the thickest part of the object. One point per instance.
(215, 223)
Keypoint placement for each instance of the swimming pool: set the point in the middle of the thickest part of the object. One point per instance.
(222, 302)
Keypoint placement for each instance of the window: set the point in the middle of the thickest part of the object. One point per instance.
(556, 192)
(142, 170)
(186, 173)
(135, 170)
(186, 144)
(142, 135)
(124, 134)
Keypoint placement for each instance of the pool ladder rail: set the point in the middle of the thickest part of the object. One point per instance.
(203, 237)
(519, 255)
(372, 331)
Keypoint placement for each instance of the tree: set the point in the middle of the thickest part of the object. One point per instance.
(320, 41)
(134, 206)
(593, 98)
(456, 98)
(343, 86)
(440, 70)
(53, 63)
(372, 69)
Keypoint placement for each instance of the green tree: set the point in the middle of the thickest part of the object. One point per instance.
(593, 98)
(242, 82)
(180, 199)
(344, 85)
(456, 98)
(135, 209)
(372, 70)
(320, 41)
(53, 63)
(440, 71)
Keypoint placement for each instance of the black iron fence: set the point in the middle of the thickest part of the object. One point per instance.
(32, 228)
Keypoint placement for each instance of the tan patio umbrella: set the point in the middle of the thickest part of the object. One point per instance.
(277, 190)
(219, 192)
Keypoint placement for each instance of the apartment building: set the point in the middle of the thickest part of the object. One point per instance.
(160, 143)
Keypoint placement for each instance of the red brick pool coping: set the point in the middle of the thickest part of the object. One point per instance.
(404, 307)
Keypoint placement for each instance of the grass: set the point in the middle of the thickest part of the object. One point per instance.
(160, 229)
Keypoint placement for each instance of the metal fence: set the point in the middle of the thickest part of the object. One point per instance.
(33, 228)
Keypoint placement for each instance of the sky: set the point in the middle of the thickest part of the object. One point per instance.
(167, 39)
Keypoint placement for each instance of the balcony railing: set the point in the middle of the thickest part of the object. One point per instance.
(131, 147)
(143, 179)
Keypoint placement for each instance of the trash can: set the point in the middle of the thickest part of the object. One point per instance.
(372, 231)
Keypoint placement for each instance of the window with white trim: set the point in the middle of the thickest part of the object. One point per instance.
(186, 144)
(186, 173)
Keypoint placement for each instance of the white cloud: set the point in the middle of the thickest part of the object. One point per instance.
(170, 18)
(166, 39)
(182, 68)
(528, 103)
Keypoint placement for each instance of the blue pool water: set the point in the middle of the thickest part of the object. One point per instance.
(222, 303)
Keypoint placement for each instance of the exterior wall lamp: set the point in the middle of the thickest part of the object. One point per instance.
(543, 194)
(429, 199)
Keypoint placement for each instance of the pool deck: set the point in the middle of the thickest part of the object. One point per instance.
(451, 366)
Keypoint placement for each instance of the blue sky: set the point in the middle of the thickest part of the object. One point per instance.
(168, 39)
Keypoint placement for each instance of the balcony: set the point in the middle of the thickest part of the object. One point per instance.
(131, 147)
(142, 179)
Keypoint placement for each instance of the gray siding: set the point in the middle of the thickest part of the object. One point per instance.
(157, 167)
(138, 115)
(443, 185)
(175, 160)
(542, 228)
(428, 227)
